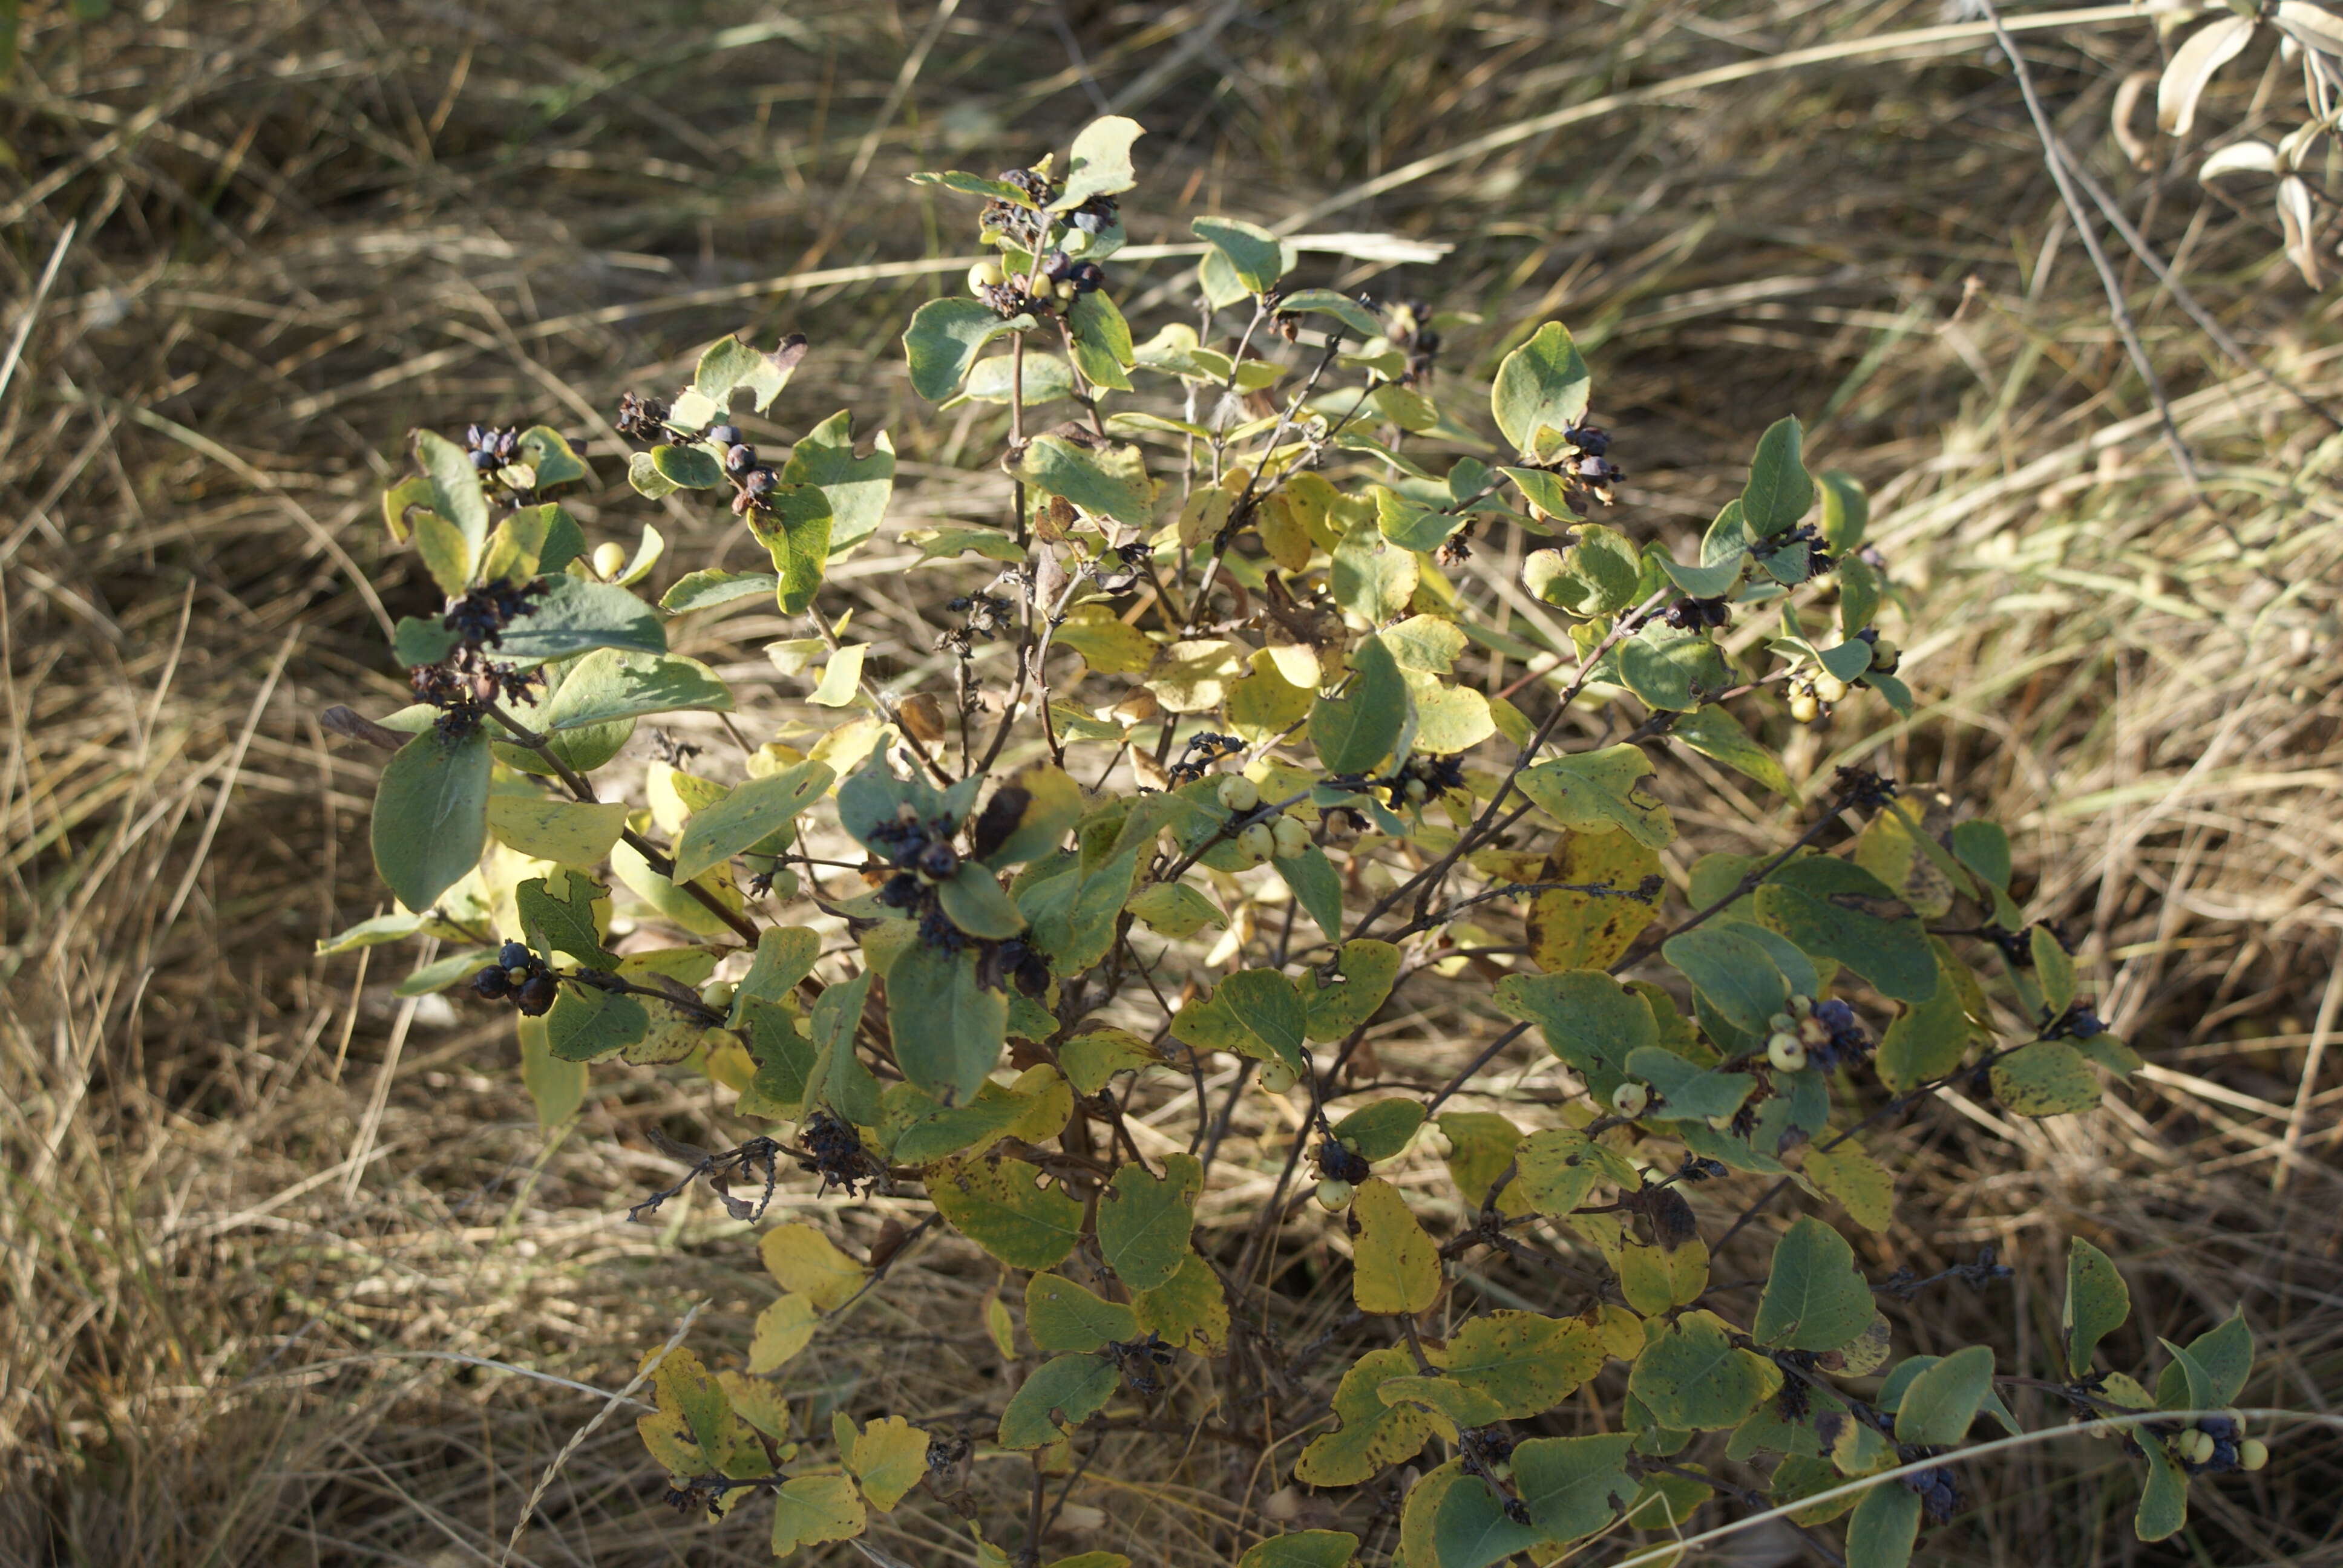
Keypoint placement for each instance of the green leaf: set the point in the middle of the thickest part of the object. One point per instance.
(1544, 490)
(1395, 1266)
(1588, 1018)
(2163, 1497)
(973, 901)
(1058, 1396)
(2097, 1303)
(1733, 971)
(1355, 731)
(1143, 1220)
(857, 488)
(1356, 318)
(1369, 968)
(944, 338)
(1573, 1486)
(1847, 513)
(456, 493)
(1542, 385)
(1109, 481)
(1371, 576)
(1861, 1184)
(1715, 735)
(993, 1202)
(1470, 1527)
(1596, 575)
(810, 1509)
(1303, 1549)
(1380, 1129)
(1928, 1039)
(587, 1025)
(1779, 491)
(1712, 580)
(2209, 1372)
(568, 832)
(1100, 161)
(976, 186)
(729, 366)
(610, 684)
(2047, 1078)
(1174, 909)
(1833, 908)
(752, 813)
(431, 815)
(1371, 1435)
(707, 589)
(692, 468)
(788, 1064)
(2054, 970)
(1558, 1169)
(1061, 1315)
(1265, 1004)
(1692, 1379)
(1815, 1300)
(948, 1028)
(1942, 1401)
(1254, 254)
(414, 642)
(1686, 1091)
(1317, 886)
(1102, 340)
(1596, 791)
(564, 914)
(573, 616)
(550, 457)
(1189, 1311)
(1673, 670)
(1886, 1522)
(794, 527)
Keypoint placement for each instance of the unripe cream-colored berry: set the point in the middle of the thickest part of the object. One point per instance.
(1239, 793)
(610, 559)
(1258, 842)
(1334, 1196)
(716, 994)
(1829, 687)
(984, 275)
(1293, 837)
(1065, 289)
(2200, 1444)
(1801, 1005)
(1787, 1051)
(1277, 1077)
(1417, 790)
(2252, 1453)
(1781, 1023)
(1886, 656)
(1804, 708)
(1631, 1098)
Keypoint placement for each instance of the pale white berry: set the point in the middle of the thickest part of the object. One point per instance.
(1293, 837)
(1787, 1051)
(2252, 1453)
(1239, 793)
(1631, 1098)
(1334, 1196)
(1277, 1077)
(610, 559)
(984, 275)
(1258, 842)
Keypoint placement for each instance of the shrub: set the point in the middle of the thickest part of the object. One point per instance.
(1298, 716)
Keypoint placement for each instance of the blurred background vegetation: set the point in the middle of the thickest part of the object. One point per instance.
(290, 1274)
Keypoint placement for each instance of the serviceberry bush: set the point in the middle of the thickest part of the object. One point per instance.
(1285, 710)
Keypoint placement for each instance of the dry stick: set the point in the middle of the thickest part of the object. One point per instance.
(2052, 158)
(545, 1482)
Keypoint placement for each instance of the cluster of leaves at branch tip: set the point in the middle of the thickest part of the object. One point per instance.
(1264, 751)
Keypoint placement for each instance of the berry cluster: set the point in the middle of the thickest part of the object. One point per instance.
(2077, 1022)
(1014, 962)
(1270, 835)
(752, 482)
(480, 617)
(988, 616)
(1139, 1362)
(834, 1152)
(1591, 470)
(1824, 1035)
(1698, 613)
(645, 419)
(519, 977)
(1938, 1495)
(1805, 537)
(2217, 1444)
(491, 449)
(1862, 789)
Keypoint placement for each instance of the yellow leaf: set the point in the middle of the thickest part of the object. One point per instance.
(1395, 1266)
(1862, 1185)
(889, 1457)
(783, 1330)
(805, 1261)
(568, 832)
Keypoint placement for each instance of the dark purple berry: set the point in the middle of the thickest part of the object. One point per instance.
(724, 434)
(739, 460)
(536, 995)
(939, 861)
(762, 482)
(513, 955)
(491, 984)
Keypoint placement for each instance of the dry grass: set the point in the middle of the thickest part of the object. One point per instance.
(291, 1275)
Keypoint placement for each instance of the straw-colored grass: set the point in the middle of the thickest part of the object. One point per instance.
(291, 1276)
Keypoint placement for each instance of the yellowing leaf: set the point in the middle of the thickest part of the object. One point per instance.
(804, 1260)
(1395, 1266)
(1371, 1435)
(567, 832)
(1862, 1185)
(783, 1330)
(890, 1457)
(1597, 791)
(811, 1509)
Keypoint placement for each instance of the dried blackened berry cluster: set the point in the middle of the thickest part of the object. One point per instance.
(1861, 789)
(1203, 750)
(1700, 1168)
(834, 1152)
(988, 616)
(1408, 328)
(1457, 548)
(644, 418)
(519, 977)
(1016, 961)
(1698, 613)
(1140, 1361)
(480, 617)
(1421, 779)
(1803, 536)
(491, 449)
(1592, 469)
